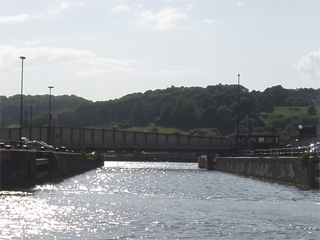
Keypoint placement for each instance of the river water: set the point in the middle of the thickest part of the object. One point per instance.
(135, 200)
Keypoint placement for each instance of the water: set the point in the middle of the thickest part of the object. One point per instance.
(132, 200)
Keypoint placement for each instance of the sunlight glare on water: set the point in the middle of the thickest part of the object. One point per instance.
(135, 200)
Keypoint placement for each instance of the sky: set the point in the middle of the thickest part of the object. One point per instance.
(102, 50)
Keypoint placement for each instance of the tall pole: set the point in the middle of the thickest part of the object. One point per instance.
(21, 97)
(49, 123)
(97, 117)
(238, 114)
(148, 109)
(25, 118)
(318, 127)
(31, 106)
(110, 117)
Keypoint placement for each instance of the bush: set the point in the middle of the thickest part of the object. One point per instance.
(125, 124)
(312, 111)
(303, 160)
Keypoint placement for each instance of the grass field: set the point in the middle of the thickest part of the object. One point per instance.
(279, 112)
(289, 112)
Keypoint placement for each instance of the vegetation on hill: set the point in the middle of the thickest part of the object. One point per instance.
(210, 111)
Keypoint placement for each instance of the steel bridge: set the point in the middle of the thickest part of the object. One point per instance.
(117, 140)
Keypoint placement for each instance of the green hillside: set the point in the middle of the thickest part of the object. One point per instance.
(209, 111)
(285, 112)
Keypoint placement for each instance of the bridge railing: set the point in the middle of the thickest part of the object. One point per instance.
(273, 152)
(115, 139)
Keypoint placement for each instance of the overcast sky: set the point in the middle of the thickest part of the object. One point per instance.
(103, 50)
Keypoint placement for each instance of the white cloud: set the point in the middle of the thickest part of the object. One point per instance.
(63, 6)
(239, 3)
(309, 66)
(209, 21)
(121, 8)
(163, 20)
(38, 42)
(190, 6)
(79, 61)
(179, 70)
(51, 13)
(18, 18)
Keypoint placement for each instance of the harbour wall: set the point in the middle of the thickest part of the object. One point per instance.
(20, 169)
(296, 170)
(154, 158)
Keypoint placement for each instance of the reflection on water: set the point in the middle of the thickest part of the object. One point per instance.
(132, 200)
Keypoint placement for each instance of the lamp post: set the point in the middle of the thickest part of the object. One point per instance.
(238, 114)
(300, 127)
(31, 106)
(148, 109)
(49, 123)
(21, 97)
(110, 117)
(25, 118)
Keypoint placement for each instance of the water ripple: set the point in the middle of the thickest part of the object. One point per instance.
(160, 200)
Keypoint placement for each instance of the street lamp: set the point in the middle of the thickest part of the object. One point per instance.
(49, 123)
(300, 127)
(25, 118)
(238, 113)
(148, 109)
(21, 100)
(31, 106)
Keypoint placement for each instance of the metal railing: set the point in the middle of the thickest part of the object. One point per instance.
(276, 152)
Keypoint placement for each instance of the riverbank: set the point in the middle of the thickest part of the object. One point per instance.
(294, 170)
(21, 169)
(153, 157)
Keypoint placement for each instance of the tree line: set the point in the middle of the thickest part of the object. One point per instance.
(211, 111)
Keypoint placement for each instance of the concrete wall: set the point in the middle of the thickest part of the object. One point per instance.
(98, 138)
(152, 139)
(207, 162)
(23, 169)
(202, 162)
(162, 140)
(62, 165)
(152, 158)
(129, 140)
(286, 169)
(18, 169)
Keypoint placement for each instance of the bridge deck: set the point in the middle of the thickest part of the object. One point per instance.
(104, 139)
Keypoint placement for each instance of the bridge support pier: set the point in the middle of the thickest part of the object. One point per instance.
(206, 162)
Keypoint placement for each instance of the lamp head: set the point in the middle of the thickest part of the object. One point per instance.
(23, 57)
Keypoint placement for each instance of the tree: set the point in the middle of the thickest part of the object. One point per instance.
(166, 116)
(183, 113)
(312, 111)
(138, 113)
(247, 104)
(207, 101)
(278, 95)
(180, 107)
(264, 105)
(209, 117)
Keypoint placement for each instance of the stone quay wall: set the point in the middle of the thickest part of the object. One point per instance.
(20, 169)
(284, 169)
